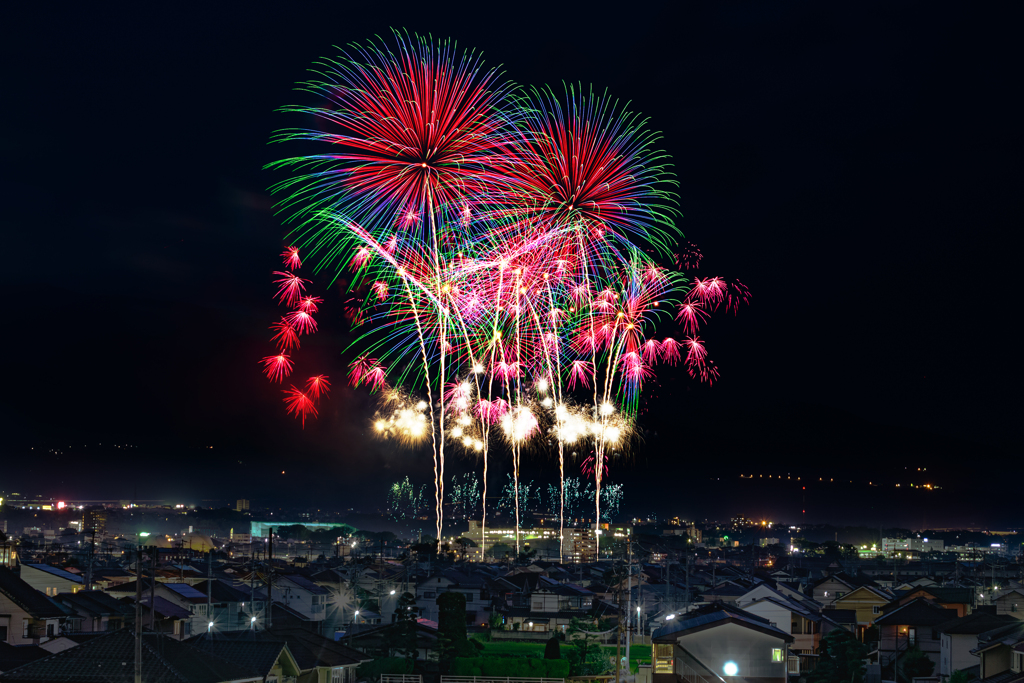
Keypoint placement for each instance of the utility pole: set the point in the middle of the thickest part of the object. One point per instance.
(138, 614)
(92, 550)
(629, 602)
(209, 589)
(270, 581)
(152, 594)
(618, 633)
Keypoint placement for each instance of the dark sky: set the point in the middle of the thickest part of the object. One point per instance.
(856, 165)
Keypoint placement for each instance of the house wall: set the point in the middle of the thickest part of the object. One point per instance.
(47, 583)
(1011, 604)
(15, 620)
(779, 616)
(750, 650)
(955, 652)
(827, 591)
(888, 641)
(863, 602)
(996, 660)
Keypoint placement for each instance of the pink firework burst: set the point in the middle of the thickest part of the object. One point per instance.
(290, 287)
(361, 256)
(491, 411)
(691, 315)
(709, 291)
(650, 350)
(380, 290)
(507, 371)
(318, 386)
(291, 258)
(738, 294)
(705, 372)
(302, 322)
(588, 468)
(689, 256)
(670, 352)
(695, 351)
(308, 304)
(367, 371)
(285, 336)
(579, 372)
(458, 395)
(277, 367)
(299, 404)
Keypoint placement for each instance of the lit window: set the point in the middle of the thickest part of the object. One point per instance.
(776, 654)
(663, 659)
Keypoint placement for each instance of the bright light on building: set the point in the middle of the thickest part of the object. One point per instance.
(730, 669)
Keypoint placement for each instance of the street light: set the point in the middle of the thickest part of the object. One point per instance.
(210, 626)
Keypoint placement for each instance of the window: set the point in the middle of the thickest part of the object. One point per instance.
(24, 628)
(1013, 607)
(337, 675)
(911, 636)
(50, 630)
(663, 658)
(875, 609)
(3, 634)
(776, 654)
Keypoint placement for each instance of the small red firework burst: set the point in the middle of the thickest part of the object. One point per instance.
(277, 367)
(299, 404)
(318, 386)
(285, 336)
(302, 322)
(308, 304)
(290, 287)
(291, 258)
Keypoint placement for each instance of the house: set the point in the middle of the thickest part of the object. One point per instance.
(727, 642)
(109, 657)
(1001, 652)
(478, 596)
(552, 607)
(374, 640)
(831, 588)
(957, 637)
(163, 616)
(914, 623)
(319, 659)
(868, 602)
(51, 580)
(1010, 602)
(27, 617)
(960, 599)
(229, 606)
(92, 611)
(801, 618)
(269, 660)
(300, 595)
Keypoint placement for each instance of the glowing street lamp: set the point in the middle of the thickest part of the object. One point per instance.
(730, 669)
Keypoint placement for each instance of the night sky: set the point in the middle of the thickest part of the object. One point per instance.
(856, 166)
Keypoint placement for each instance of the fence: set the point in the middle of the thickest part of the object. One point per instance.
(401, 678)
(497, 679)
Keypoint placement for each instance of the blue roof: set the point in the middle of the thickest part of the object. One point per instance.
(303, 582)
(185, 590)
(57, 571)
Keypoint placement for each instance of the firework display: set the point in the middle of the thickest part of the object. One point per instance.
(504, 249)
